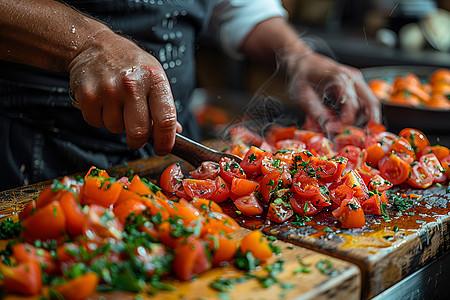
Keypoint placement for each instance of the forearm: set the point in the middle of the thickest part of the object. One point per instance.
(271, 38)
(44, 33)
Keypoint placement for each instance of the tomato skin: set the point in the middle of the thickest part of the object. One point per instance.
(416, 139)
(242, 187)
(393, 169)
(25, 278)
(225, 251)
(205, 205)
(255, 243)
(100, 192)
(249, 205)
(75, 218)
(373, 128)
(26, 252)
(441, 152)
(207, 170)
(372, 206)
(373, 154)
(229, 169)
(251, 163)
(222, 190)
(171, 177)
(199, 188)
(302, 206)
(320, 145)
(350, 136)
(190, 259)
(403, 146)
(350, 214)
(80, 287)
(268, 184)
(354, 156)
(125, 208)
(138, 186)
(379, 184)
(304, 185)
(431, 162)
(279, 212)
(420, 176)
(277, 133)
(49, 222)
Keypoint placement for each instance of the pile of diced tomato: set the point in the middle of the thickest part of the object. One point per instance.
(98, 232)
(296, 172)
(410, 91)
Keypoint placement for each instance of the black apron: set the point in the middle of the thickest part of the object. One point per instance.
(42, 136)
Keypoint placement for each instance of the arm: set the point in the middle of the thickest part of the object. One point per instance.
(315, 79)
(117, 84)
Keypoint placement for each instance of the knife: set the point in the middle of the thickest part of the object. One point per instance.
(187, 149)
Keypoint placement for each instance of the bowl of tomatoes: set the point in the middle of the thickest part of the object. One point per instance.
(412, 96)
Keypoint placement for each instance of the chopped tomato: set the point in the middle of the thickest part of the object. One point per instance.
(100, 191)
(420, 176)
(434, 166)
(350, 214)
(354, 156)
(373, 154)
(326, 170)
(277, 133)
(373, 128)
(248, 205)
(25, 278)
(171, 178)
(294, 145)
(101, 223)
(80, 287)
(302, 206)
(75, 217)
(222, 190)
(26, 252)
(223, 248)
(242, 187)
(251, 163)
(339, 194)
(402, 146)
(125, 208)
(416, 139)
(382, 89)
(205, 205)
(280, 210)
(218, 222)
(372, 206)
(207, 170)
(441, 152)
(255, 243)
(199, 188)
(304, 185)
(355, 182)
(393, 169)
(190, 259)
(185, 211)
(351, 135)
(49, 222)
(229, 169)
(138, 186)
(268, 184)
(320, 145)
(378, 183)
(271, 164)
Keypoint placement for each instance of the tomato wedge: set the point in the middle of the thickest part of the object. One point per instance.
(249, 205)
(304, 185)
(393, 169)
(251, 163)
(354, 156)
(302, 206)
(350, 214)
(416, 139)
(229, 168)
(434, 166)
(207, 170)
(222, 190)
(25, 278)
(80, 287)
(190, 259)
(269, 184)
(420, 176)
(242, 187)
(171, 178)
(199, 188)
(255, 243)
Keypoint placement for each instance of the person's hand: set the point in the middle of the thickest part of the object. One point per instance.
(332, 95)
(121, 87)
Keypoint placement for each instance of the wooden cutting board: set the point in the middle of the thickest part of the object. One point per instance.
(384, 256)
(384, 253)
(343, 283)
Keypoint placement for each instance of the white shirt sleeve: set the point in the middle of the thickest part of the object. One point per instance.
(233, 20)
